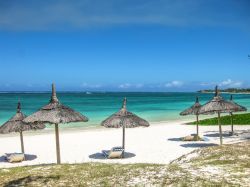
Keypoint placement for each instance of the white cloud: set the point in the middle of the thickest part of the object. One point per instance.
(174, 84)
(125, 86)
(128, 85)
(207, 84)
(139, 85)
(86, 85)
(231, 83)
(226, 83)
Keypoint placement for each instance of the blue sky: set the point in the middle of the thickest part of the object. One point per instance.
(124, 45)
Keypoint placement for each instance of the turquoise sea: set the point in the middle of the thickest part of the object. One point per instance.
(97, 106)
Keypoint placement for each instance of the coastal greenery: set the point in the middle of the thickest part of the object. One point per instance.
(228, 90)
(202, 167)
(238, 119)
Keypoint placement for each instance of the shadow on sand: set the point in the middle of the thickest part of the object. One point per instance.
(198, 145)
(175, 139)
(214, 135)
(28, 157)
(101, 156)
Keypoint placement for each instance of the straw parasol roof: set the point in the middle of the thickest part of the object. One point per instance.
(218, 105)
(194, 110)
(55, 113)
(16, 124)
(124, 119)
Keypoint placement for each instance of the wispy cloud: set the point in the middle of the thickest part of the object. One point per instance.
(231, 83)
(86, 85)
(125, 86)
(62, 14)
(174, 84)
(228, 83)
(128, 85)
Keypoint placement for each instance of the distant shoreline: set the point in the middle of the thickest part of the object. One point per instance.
(208, 92)
(228, 91)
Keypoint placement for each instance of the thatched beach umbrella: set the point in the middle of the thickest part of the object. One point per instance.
(124, 119)
(56, 113)
(194, 110)
(238, 108)
(16, 124)
(217, 105)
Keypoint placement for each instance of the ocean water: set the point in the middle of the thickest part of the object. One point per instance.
(98, 106)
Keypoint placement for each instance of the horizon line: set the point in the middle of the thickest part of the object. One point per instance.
(99, 92)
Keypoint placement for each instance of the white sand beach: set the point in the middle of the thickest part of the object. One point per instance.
(156, 144)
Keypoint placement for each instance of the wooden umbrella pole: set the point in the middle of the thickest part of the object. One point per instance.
(57, 145)
(123, 140)
(232, 124)
(21, 138)
(220, 128)
(197, 125)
